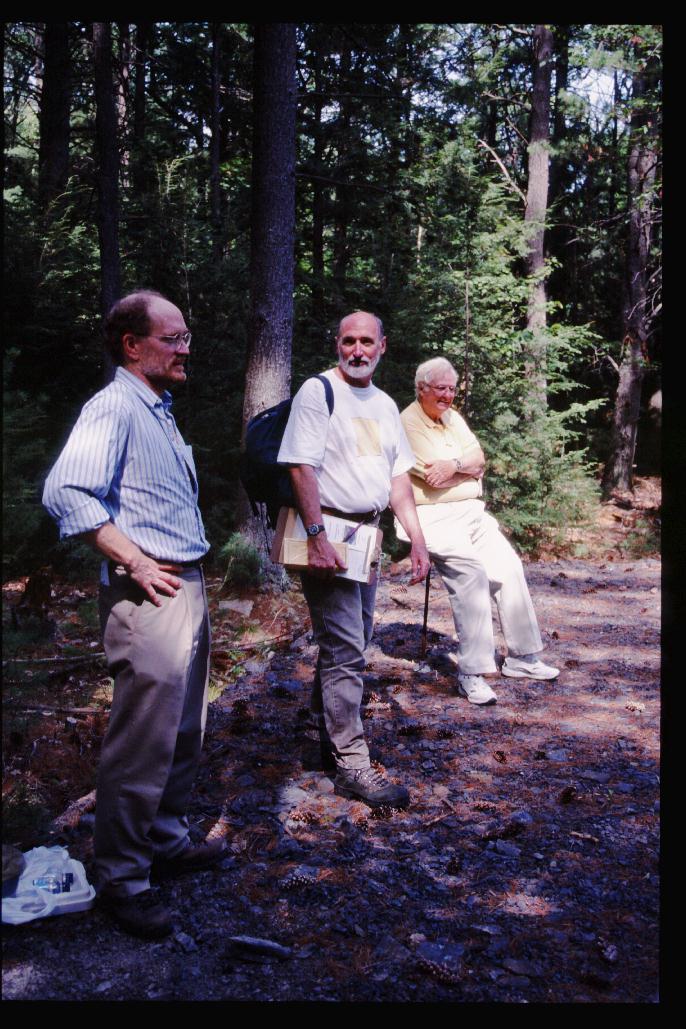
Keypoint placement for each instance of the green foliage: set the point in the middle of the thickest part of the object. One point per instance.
(25, 814)
(535, 482)
(26, 528)
(89, 614)
(75, 561)
(643, 540)
(243, 562)
(20, 640)
(412, 142)
(219, 682)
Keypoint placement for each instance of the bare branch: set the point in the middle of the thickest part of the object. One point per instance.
(73, 659)
(517, 131)
(508, 177)
(385, 97)
(79, 711)
(505, 99)
(513, 28)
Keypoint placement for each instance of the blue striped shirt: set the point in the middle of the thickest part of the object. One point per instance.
(126, 462)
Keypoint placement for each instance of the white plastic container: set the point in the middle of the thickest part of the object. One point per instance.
(29, 902)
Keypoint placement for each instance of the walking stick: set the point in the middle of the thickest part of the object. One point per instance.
(422, 651)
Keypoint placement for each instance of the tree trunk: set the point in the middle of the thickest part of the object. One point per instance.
(558, 176)
(39, 50)
(560, 235)
(318, 191)
(615, 165)
(467, 345)
(53, 151)
(143, 39)
(123, 76)
(215, 144)
(268, 372)
(536, 209)
(268, 376)
(107, 172)
(340, 241)
(618, 473)
(140, 176)
(342, 201)
(492, 123)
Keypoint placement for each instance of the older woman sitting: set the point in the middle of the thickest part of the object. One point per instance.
(472, 556)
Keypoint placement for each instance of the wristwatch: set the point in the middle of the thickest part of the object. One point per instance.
(314, 530)
(458, 464)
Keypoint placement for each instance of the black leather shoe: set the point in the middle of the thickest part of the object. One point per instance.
(192, 859)
(370, 786)
(140, 915)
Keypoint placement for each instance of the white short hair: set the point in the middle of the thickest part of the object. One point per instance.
(431, 369)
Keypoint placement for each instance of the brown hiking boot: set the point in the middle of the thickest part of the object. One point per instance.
(140, 915)
(192, 859)
(370, 786)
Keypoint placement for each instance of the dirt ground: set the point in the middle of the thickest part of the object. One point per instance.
(525, 869)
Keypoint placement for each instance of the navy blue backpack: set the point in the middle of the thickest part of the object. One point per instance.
(264, 480)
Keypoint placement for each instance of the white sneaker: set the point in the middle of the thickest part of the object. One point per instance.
(475, 689)
(528, 666)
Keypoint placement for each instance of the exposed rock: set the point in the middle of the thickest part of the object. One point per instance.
(390, 950)
(241, 607)
(507, 849)
(521, 967)
(186, 942)
(254, 945)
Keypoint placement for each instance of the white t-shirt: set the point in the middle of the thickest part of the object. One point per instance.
(356, 452)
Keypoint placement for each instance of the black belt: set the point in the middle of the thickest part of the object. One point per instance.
(364, 517)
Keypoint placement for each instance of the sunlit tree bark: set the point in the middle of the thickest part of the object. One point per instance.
(535, 215)
(642, 166)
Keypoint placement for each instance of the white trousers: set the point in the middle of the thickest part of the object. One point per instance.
(476, 562)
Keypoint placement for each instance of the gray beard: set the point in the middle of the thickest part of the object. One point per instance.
(359, 371)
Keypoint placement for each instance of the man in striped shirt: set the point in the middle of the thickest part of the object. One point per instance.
(126, 483)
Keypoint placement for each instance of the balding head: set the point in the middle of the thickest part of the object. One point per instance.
(130, 314)
(357, 315)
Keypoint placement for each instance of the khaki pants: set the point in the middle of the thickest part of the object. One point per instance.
(159, 659)
(342, 615)
(476, 562)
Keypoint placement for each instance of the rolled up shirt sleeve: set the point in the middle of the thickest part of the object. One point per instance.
(81, 491)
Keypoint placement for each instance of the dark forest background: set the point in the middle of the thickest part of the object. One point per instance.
(492, 192)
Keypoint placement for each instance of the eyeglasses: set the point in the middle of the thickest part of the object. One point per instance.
(176, 340)
(441, 389)
(171, 341)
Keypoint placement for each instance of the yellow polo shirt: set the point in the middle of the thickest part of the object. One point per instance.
(447, 439)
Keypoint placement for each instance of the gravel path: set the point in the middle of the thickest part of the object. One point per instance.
(525, 869)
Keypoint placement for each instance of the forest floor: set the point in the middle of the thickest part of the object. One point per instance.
(525, 869)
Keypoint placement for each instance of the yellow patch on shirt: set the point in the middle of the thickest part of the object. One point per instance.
(367, 436)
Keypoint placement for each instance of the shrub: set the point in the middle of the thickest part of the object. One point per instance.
(535, 482)
(244, 563)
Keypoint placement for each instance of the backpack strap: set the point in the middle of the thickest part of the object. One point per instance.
(328, 390)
